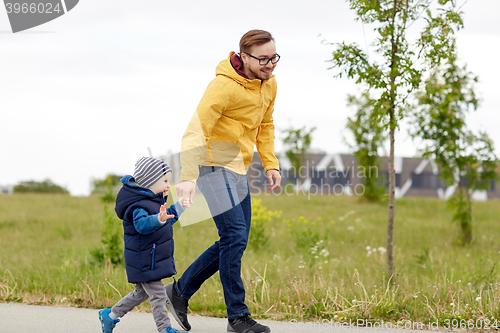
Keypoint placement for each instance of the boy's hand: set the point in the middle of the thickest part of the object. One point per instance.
(185, 202)
(163, 213)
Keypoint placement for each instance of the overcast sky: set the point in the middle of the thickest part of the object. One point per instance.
(86, 94)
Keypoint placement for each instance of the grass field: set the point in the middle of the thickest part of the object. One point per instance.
(313, 258)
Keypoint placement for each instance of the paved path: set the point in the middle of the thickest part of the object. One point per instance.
(21, 318)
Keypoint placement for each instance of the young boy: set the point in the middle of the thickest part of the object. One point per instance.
(149, 246)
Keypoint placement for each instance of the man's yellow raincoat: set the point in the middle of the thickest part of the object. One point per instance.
(234, 115)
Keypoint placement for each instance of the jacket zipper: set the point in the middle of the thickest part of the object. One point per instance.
(153, 258)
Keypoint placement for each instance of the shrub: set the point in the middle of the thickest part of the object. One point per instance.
(261, 216)
(46, 186)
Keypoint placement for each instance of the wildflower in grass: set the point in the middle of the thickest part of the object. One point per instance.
(478, 299)
(305, 234)
(342, 218)
(350, 228)
(368, 248)
(382, 249)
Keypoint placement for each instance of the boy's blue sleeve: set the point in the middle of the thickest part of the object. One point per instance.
(175, 209)
(145, 223)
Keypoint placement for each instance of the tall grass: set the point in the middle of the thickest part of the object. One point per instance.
(311, 259)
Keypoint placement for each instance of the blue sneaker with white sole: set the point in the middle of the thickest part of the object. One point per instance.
(107, 324)
(170, 329)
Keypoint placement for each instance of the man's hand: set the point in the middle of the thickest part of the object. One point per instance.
(273, 174)
(186, 189)
(163, 213)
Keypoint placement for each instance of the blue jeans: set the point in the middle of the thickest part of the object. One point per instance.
(228, 198)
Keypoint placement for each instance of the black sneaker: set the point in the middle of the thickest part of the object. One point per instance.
(245, 324)
(178, 306)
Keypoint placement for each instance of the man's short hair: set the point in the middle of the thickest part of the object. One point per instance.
(254, 37)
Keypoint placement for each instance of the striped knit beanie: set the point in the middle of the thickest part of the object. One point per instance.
(148, 170)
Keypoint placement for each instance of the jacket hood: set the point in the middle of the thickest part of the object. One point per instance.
(238, 65)
(225, 68)
(130, 193)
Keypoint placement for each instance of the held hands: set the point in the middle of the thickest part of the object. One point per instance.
(163, 213)
(186, 189)
(273, 174)
(185, 202)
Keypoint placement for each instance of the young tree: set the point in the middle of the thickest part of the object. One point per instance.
(112, 233)
(297, 142)
(101, 185)
(368, 138)
(466, 160)
(403, 63)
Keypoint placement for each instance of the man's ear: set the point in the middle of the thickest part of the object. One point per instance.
(244, 58)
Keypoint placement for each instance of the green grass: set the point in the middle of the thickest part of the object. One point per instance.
(310, 262)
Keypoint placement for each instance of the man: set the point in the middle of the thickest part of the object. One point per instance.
(234, 115)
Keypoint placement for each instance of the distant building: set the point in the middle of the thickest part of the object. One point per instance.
(6, 189)
(336, 174)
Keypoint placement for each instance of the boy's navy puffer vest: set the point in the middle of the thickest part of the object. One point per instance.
(147, 257)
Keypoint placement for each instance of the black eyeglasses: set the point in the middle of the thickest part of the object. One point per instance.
(265, 61)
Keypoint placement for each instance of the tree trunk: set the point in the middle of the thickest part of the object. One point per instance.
(467, 228)
(392, 203)
(392, 174)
